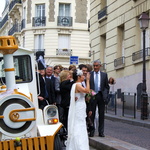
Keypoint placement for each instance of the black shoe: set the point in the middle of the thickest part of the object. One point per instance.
(101, 135)
(91, 133)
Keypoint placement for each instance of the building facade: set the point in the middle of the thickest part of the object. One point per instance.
(57, 28)
(117, 40)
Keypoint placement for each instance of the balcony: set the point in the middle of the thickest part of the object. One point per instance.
(65, 52)
(5, 19)
(138, 56)
(64, 21)
(119, 63)
(23, 24)
(39, 21)
(102, 14)
(16, 28)
(13, 3)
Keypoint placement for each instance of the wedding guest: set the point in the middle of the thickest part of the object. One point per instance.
(99, 83)
(65, 88)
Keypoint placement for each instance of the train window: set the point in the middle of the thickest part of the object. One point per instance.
(23, 70)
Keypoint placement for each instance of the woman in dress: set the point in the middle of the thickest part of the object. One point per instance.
(77, 130)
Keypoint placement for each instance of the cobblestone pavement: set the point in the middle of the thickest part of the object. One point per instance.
(136, 135)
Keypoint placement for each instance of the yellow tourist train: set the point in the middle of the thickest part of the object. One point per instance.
(23, 126)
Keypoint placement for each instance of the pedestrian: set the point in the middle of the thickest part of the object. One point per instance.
(66, 83)
(50, 82)
(77, 130)
(111, 82)
(99, 83)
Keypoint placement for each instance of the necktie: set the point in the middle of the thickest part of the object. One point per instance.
(96, 82)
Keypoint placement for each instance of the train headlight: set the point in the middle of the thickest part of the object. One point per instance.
(51, 114)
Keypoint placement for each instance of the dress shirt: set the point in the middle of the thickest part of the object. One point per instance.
(99, 79)
(48, 77)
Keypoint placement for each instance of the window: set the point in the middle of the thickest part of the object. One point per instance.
(120, 41)
(39, 19)
(64, 10)
(40, 10)
(64, 41)
(39, 42)
(23, 71)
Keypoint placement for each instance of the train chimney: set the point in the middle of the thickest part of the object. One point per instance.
(7, 47)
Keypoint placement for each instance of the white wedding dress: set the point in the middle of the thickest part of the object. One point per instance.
(77, 131)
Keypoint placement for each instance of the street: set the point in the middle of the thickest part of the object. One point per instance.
(136, 135)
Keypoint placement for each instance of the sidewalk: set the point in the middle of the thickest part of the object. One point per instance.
(128, 119)
(110, 143)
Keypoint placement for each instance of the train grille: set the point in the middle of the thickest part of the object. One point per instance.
(36, 143)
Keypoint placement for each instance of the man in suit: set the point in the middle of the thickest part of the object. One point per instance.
(46, 94)
(99, 83)
(51, 85)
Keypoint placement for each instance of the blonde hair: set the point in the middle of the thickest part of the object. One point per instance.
(63, 75)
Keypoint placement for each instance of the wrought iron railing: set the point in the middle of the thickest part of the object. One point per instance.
(39, 21)
(11, 5)
(119, 61)
(16, 28)
(64, 21)
(23, 24)
(139, 54)
(102, 13)
(67, 52)
(4, 20)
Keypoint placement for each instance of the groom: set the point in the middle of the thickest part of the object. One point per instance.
(99, 83)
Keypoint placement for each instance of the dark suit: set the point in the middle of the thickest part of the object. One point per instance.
(65, 88)
(50, 90)
(41, 90)
(100, 99)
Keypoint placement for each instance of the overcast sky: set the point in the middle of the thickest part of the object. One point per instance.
(2, 4)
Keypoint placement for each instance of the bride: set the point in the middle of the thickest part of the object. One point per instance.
(77, 130)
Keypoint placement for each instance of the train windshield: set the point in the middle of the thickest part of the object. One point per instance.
(23, 71)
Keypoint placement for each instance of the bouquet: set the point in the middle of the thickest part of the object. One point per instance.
(90, 95)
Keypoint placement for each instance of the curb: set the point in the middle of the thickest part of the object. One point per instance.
(110, 143)
(142, 123)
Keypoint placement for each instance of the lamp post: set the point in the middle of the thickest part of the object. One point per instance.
(144, 22)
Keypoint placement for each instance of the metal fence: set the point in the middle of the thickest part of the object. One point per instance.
(125, 106)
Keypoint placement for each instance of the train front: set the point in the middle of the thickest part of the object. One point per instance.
(22, 123)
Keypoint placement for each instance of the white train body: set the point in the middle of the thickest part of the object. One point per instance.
(19, 112)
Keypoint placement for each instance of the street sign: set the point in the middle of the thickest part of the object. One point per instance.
(74, 60)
